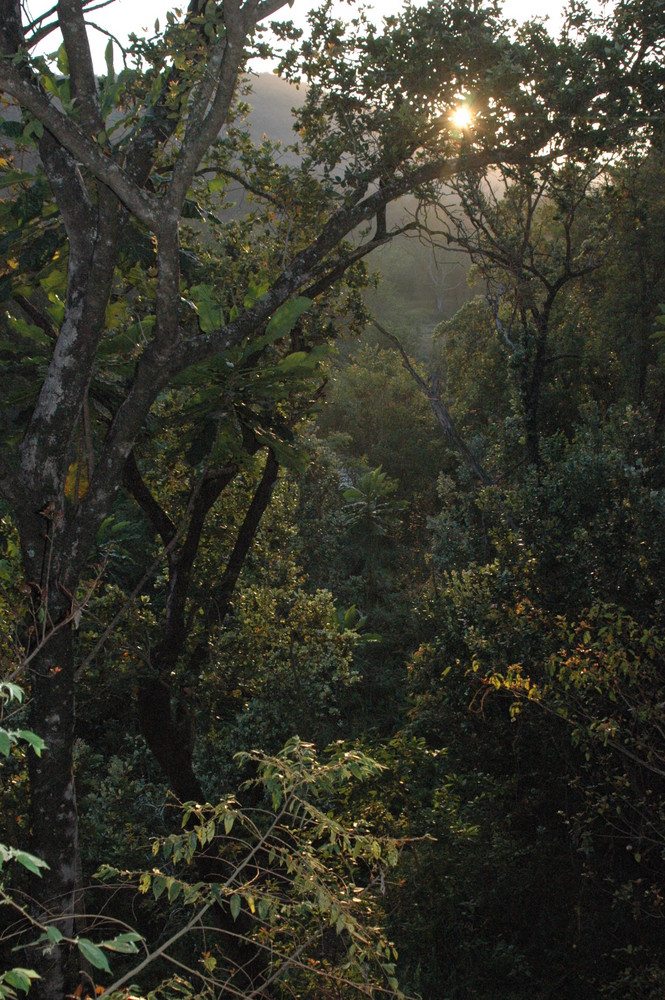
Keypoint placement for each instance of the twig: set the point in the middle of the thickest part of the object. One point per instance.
(74, 616)
(158, 952)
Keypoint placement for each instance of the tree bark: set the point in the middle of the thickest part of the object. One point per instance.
(168, 732)
(53, 797)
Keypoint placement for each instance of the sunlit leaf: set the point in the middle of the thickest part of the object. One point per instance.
(286, 317)
(30, 862)
(20, 979)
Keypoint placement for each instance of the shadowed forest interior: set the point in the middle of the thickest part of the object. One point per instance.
(332, 505)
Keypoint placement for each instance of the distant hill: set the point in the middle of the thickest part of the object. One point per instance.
(272, 99)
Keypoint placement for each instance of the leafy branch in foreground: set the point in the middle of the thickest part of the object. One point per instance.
(290, 902)
(17, 978)
(20, 978)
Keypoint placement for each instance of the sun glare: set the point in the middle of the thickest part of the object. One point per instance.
(462, 117)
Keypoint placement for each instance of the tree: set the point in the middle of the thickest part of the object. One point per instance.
(119, 164)
(529, 236)
(630, 284)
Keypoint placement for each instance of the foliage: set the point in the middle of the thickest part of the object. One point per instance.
(629, 285)
(375, 403)
(22, 979)
(474, 375)
(15, 979)
(368, 507)
(605, 682)
(535, 623)
(160, 350)
(291, 905)
(283, 666)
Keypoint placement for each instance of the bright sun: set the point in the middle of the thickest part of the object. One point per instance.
(462, 117)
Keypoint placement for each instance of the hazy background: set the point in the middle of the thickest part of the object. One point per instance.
(124, 16)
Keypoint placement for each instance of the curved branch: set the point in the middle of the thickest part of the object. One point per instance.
(234, 175)
(133, 481)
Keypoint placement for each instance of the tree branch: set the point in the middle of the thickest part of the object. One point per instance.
(39, 318)
(175, 631)
(144, 205)
(223, 592)
(133, 481)
(82, 74)
(447, 424)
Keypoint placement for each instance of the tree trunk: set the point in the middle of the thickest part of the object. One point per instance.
(53, 797)
(532, 386)
(169, 741)
(168, 733)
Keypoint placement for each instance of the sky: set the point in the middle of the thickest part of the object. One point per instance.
(124, 16)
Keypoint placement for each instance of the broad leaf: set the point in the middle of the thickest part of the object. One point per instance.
(93, 954)
(286, 317)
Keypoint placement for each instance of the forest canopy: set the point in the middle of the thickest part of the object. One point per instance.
(332, 623)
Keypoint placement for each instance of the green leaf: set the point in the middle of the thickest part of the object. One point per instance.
(49, 84)
(235, 904)
(65, 94)
(286, 317)
(93, 954)
(108, 57)
(11, 692)
(125, 944)
(54, 935)
(158, 885)
(175, 888)
(229, 820)
(10, 177)
(218, 183)
(292, 361)
(20, 979)
(255, 291)
(30, 862)
(36, 742)
(211, 317)
(5, 743)
(62, 60)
